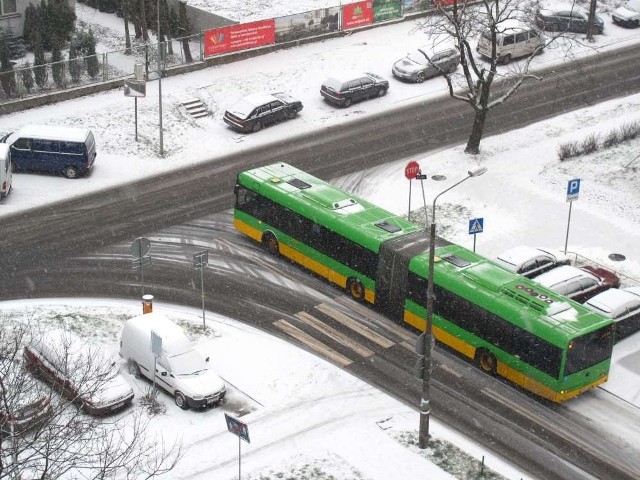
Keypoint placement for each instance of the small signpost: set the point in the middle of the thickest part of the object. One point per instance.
(411, 171)
(240, 429)
(476, 225)
(140, 252)
(136, 87)
(573, 190)
(200, 260)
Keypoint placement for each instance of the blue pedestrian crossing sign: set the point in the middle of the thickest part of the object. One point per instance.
(237, 427)
(573, 189)
(476, 225)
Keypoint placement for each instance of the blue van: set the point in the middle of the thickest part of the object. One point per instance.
(41, 148)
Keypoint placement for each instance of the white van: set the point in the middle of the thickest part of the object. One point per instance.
(181, 370)
(6, 171)
(513, 40)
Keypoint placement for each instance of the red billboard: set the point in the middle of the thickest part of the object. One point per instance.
(357, 14)
(239, 37)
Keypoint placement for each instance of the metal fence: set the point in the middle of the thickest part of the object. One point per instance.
(32, 81)
(35, 80)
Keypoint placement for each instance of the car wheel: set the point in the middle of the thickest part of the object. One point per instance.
(292, 114)
(421, 77)
(181, 400)
(347, 102)
(270, 243)
(355, 289)
(487, 361)
(256, 127)
(71, 172)
(134, 368)
(382, 92)
(506, 59)
(553, 27)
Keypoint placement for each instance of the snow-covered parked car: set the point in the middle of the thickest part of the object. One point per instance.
(180, 369)
(83, 374)
(627, 15)
(531, 261)
(578, 283)
(22, 404)
(622, 305)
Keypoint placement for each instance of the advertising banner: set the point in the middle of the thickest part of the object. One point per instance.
(308, 24)
(386, 10)
(239, 37)
(357, 14)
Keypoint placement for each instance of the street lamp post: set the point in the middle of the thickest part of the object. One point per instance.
(425, 408)
(159, 81)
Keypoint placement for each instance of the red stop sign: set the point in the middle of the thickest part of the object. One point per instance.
(411, 170)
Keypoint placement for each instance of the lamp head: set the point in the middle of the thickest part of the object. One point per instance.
(476, 172)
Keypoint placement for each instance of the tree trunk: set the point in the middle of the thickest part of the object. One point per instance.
(143, 20)
(591, 21)
(473, 144)
(127, 37)
(184, 29)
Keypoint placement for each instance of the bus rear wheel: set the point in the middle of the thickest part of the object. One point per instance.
(356, 289)
(487, 361)
(270, 243)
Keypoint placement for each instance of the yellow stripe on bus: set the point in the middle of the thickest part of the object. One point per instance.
(302, 259)
(502, 369)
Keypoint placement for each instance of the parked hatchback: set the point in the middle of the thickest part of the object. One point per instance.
(627, 15)
(578, 283)
(419, 64)
(258, 110)
(530, 261)
(567, 21)
(83, 374)
(23, 405)
(346, 88)
(623, 306)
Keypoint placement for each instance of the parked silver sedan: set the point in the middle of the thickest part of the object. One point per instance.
(420, 64)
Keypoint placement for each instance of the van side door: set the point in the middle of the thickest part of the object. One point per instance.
(21, 153)
(46, 155)
(163, 374)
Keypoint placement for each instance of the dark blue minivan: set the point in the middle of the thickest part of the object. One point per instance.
(41, 148)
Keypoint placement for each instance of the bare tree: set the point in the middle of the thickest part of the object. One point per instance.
(461, 23)
(69, 441)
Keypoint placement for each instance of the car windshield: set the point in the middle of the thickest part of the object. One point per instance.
(417, 57)
(187, 363)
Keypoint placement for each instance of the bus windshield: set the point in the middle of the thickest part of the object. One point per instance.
(589, 350)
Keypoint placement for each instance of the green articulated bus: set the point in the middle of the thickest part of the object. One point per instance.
(509, 325)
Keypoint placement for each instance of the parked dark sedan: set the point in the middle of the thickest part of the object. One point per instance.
(420, 64)
(578, 283)
(567, 21)
(22, 404)
(259, 110)
(344, 89)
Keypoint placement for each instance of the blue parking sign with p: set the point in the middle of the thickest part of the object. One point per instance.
(573, 189)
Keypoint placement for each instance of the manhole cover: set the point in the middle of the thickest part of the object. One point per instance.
(617, 257)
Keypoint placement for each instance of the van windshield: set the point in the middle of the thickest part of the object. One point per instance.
(187, 363)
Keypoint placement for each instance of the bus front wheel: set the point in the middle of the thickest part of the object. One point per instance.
(355, 289)
(270, 243)
(487, 361)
